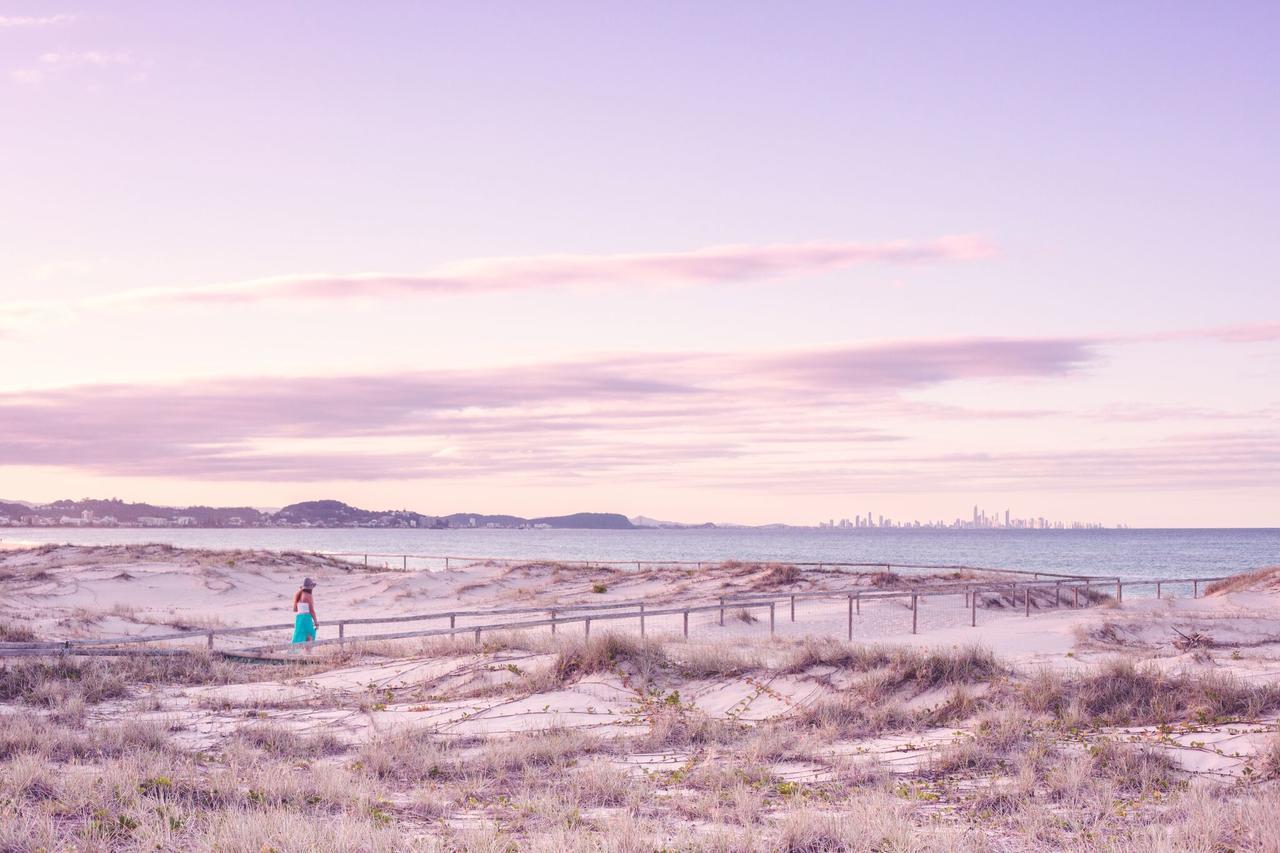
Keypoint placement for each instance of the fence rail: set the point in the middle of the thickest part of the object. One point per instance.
(635, 609)
(449, 559)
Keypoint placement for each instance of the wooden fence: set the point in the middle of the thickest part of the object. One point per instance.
(448, 561)
(639, 610)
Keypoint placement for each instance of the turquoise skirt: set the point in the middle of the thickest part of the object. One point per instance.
(304, 628)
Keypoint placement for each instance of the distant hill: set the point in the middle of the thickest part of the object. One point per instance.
(319, 513)
(645, 521)
(331, 513)
(14, 510)
(131, 513)
(587, 521)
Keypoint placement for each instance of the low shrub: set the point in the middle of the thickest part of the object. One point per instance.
(14, 632)
(1121, 693)
(286, 743)
(605, 653)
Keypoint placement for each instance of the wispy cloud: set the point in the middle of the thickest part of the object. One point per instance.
(16, 21)
(720, 265)
(837, 420)
(1239, 333)
(54, 63)
(713, 265)
(75, 59)
(908, 363)
(543, 420)
(1244, 459)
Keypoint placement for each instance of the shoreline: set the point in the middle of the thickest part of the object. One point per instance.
(1137, 554)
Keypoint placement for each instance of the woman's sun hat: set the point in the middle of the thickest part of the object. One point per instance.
(308, 583)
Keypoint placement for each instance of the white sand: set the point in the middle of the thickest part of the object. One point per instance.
(94, 592)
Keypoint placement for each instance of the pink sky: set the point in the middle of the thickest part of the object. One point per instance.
(711, 262)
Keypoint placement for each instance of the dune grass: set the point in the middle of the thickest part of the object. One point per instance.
(1026, 768)
(1122, 692)
(1259, 579)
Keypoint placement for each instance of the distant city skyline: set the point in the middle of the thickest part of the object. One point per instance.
(979, 521)
(722, 262)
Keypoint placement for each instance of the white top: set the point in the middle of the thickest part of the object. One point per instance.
(304, 607)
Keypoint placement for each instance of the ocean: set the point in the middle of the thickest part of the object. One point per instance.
(1129, 553)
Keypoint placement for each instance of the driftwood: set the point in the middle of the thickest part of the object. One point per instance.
(1194, 640)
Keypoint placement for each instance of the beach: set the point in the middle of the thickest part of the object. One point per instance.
(1152, 722)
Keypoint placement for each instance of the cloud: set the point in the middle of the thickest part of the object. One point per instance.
(87, 57)
(707, 266)
(1237, 460)
(714, 265)
(26, 75)
(54, 63)
(641, 412)
(840, 420)
(920, 363)
(16, 21)
(1240, 333)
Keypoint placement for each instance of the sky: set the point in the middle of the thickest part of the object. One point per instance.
(749, 262)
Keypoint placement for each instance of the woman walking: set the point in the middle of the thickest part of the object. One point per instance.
(304, 604)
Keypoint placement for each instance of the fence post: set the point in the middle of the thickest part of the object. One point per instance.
(477, 636)
(686, 624)
(1119, 592)
(721, 610)
(973, 610)
(452, 620)
(210, 639)
(793, 608)
(642, 620)
(586, 628)
(553, 622)
(914, 613)
(1195, 589)
(404, 559)
(851, 618)
(366, 561)
(1026, 599)
(857, 602)
(1158, 589)
(342, 634)
(446, 564)
(770, 618)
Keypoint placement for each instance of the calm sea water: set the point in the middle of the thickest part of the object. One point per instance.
(1130, 553)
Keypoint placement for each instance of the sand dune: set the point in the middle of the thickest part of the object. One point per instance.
(941, 719)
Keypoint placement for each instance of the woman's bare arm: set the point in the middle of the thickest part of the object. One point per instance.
(296, 597)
